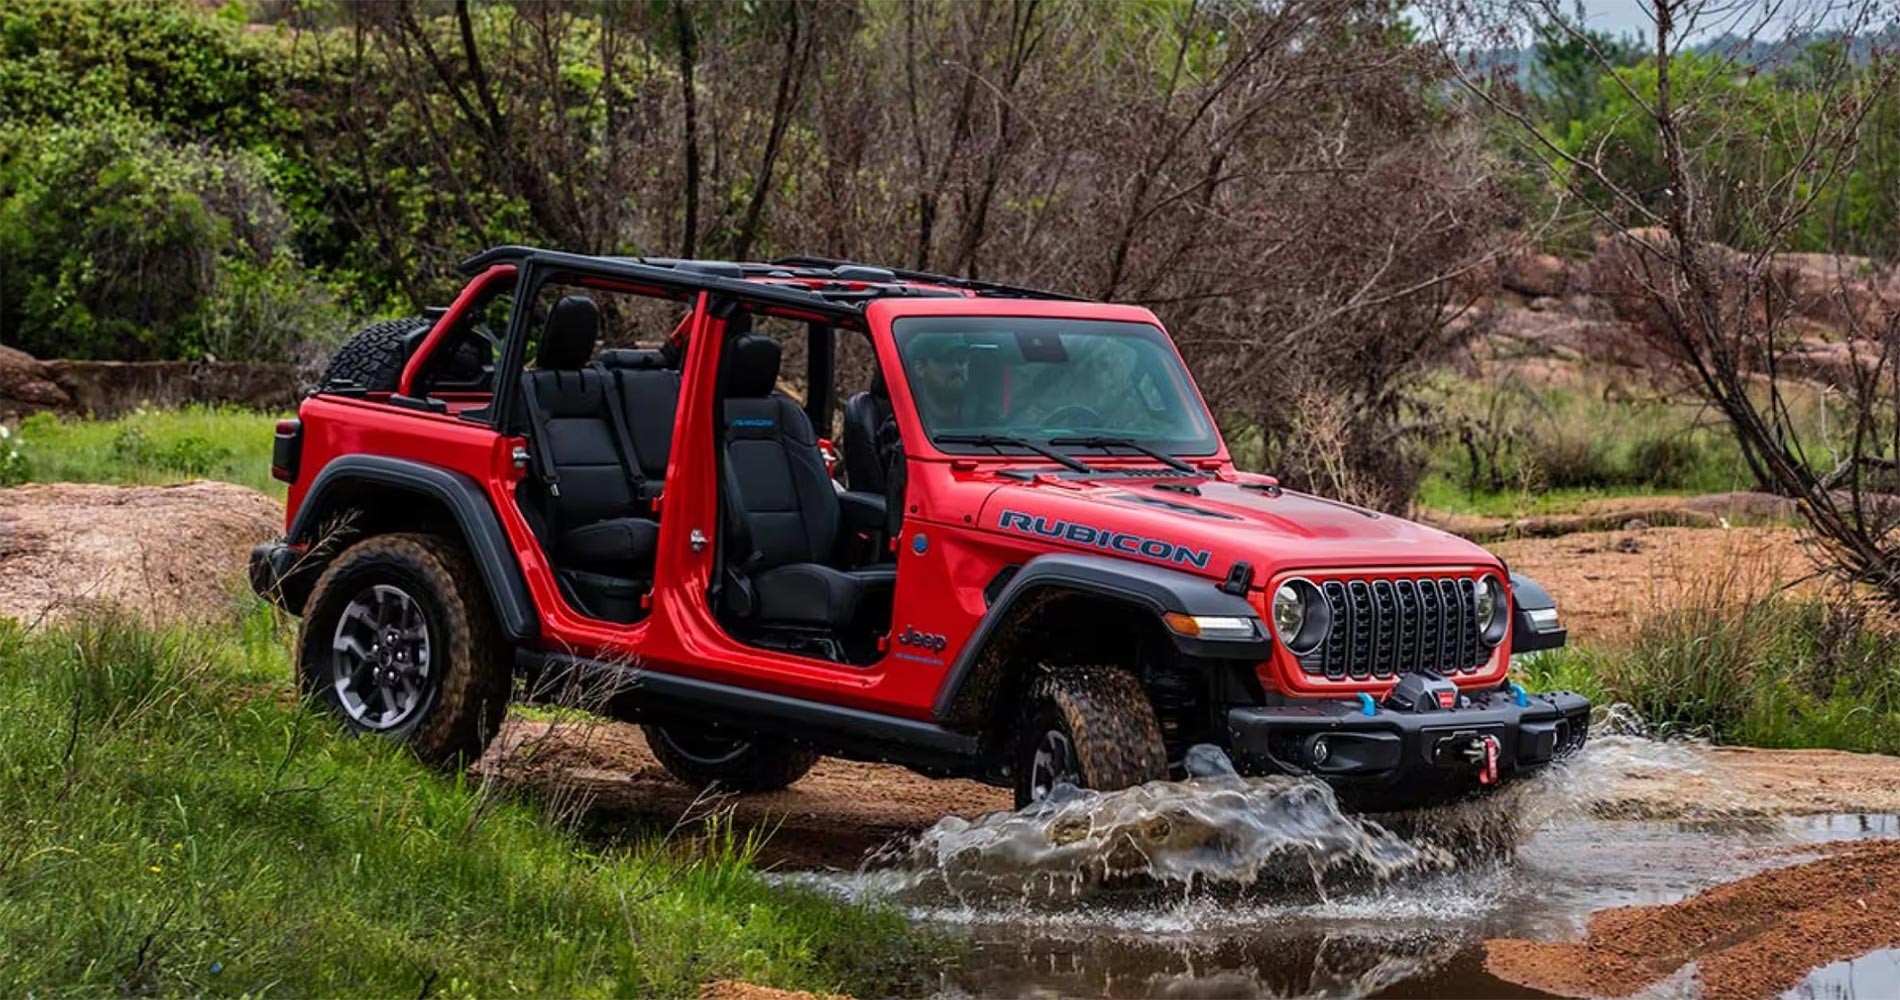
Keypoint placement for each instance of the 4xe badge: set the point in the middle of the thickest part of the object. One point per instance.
(922, 640)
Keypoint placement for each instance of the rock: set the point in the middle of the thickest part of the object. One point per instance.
(70, 549)
(1538, 275)
(27, 387)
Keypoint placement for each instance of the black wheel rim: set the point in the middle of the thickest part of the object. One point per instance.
(380, 666)
(1052, 764)
(705, 748)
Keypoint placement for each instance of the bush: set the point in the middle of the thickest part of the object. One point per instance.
(122, 244)
(1767, 670)
(14, 468)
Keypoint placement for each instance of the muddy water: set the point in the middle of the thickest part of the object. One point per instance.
(1228, 887)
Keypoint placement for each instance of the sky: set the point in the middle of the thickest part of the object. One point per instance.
(1620, 17)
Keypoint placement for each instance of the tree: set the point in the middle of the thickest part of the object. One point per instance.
(1693, 265)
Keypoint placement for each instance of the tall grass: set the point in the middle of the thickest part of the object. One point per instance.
(1513, 448)
(1768, 670)
(149, 447)
(171, 822)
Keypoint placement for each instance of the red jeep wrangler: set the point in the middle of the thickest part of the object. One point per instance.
(1040, 566)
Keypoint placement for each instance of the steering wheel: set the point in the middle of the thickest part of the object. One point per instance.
(1074, 415)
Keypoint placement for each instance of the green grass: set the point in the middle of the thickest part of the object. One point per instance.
(1767, 671)
(172, 824)
(1514, 449)
(148, 447)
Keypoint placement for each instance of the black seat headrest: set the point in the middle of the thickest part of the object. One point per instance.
(567, 341)
(751, 366)
(627, 358)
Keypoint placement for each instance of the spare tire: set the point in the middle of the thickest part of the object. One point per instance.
(373, 358)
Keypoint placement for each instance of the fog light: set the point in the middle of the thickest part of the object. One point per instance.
(1320, 751)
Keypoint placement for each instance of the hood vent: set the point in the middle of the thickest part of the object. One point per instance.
(1171, 506)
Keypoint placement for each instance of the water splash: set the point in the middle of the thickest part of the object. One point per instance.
(1217, 829)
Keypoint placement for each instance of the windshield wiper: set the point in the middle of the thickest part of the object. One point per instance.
(1106, 442)
(997, 441)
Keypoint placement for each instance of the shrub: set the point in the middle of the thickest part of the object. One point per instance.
(1767, 670)
(189, 455)
(122, 244)
(14, 468)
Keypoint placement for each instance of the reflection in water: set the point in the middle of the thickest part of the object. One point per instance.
(1873, 976)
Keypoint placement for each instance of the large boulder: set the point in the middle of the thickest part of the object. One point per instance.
(73, 549)
(27, 386)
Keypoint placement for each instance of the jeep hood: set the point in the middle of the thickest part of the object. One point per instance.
(1206, 525)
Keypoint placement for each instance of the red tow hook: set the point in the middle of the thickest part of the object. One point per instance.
(1488, 773)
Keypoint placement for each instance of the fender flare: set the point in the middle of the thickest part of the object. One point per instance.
(1156, 589)
(1530, 635)
(481, 530)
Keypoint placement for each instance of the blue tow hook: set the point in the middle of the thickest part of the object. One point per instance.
(1366, 705)
(1517, 692)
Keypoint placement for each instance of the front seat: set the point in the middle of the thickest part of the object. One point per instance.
(866, 452)
(582, 457)
(786, 522)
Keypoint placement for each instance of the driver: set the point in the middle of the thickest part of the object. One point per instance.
(941, 375)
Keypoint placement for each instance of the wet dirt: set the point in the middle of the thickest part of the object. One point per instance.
(1747, 939)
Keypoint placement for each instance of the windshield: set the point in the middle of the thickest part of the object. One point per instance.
(1044, 379)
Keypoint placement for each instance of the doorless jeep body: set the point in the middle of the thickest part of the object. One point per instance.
(982, 562)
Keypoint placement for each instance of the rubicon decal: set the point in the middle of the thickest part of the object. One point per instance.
(1114, 541)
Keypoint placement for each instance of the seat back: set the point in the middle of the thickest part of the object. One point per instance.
(785, 500)
(865, 456)
(650, 395)
(575, 448)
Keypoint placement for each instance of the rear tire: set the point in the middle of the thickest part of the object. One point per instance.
(373, 357)
(751, 764)
(398, 640)
(1092, 727)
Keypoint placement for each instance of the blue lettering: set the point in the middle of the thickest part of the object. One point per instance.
(1198, 560)
(1013, 519)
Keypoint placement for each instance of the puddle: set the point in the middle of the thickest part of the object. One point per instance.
(1874, 976)
(1228, 887)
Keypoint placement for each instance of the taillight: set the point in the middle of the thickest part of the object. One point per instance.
(286, 450)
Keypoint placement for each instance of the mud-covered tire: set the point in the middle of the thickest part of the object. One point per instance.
(1109, 726)
(750, 764)
(462, 698)
(373, 357)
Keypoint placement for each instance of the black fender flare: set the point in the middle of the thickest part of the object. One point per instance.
(1529, 635)
(1156, 589)
(487, 543)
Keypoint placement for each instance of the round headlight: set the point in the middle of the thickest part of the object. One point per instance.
(1289, 611)
(1493, 609)
(1301, 617)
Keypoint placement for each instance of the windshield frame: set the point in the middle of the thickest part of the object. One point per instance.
(907, 328)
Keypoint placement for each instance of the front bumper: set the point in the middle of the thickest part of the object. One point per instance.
(1401, 759)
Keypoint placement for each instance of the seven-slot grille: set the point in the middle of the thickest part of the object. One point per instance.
(1383, 628)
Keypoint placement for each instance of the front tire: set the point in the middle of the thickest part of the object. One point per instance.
(749, 764)
(398, 640)
(1092, 727)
